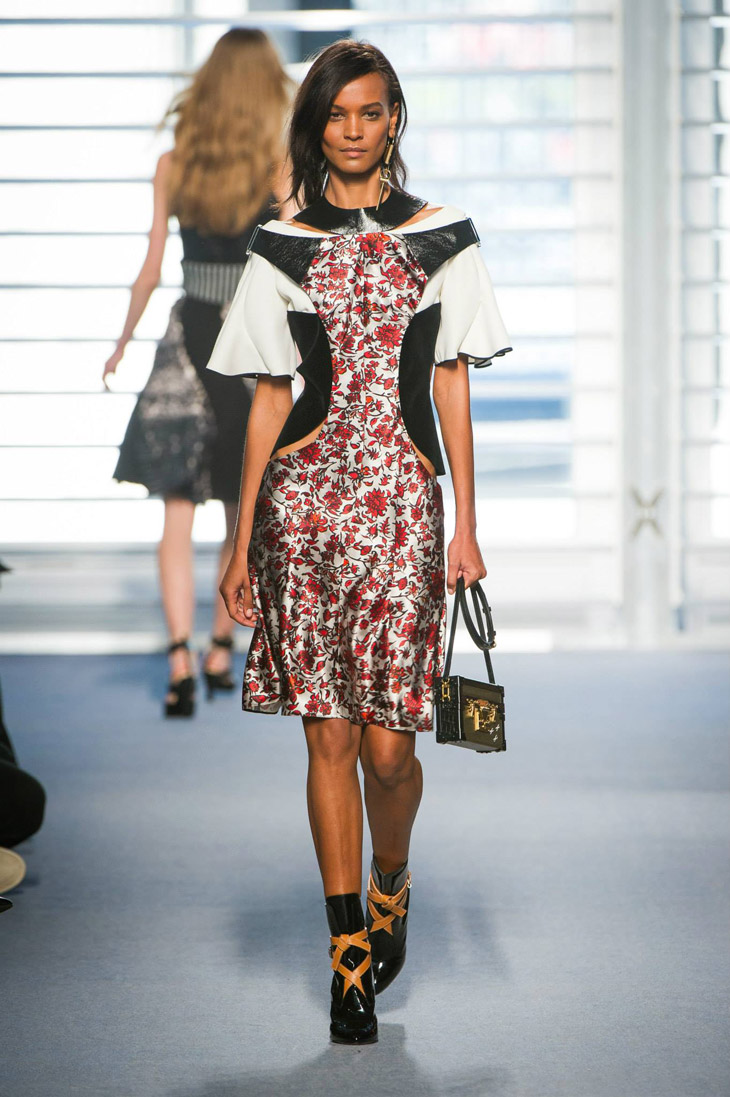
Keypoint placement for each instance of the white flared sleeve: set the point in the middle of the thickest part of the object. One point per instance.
(470, 321)
(255, 338)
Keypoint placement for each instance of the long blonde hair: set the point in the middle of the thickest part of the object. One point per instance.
(228, 134)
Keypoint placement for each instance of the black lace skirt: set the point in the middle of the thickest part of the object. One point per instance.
(185, 436)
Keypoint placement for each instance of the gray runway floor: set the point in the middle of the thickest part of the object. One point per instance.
(569, 903)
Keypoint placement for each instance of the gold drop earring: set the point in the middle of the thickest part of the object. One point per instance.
(385, 168)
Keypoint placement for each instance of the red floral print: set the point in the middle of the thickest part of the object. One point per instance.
(376, 502)
(389, 336)
(347, 555)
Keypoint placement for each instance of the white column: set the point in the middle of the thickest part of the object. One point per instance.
(650, 351)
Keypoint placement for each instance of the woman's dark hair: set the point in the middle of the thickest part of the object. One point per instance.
(335, 66)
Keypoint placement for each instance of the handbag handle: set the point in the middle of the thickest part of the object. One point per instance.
(483, 636)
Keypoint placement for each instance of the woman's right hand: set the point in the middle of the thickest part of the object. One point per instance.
(111, 364)
(236, 592)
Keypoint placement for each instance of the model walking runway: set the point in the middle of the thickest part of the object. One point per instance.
(339, 563)
(346, 554)
(185, 438)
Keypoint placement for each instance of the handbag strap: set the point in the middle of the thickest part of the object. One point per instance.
(484, 636)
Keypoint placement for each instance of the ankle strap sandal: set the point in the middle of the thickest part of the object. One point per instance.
(180, 700)
(223, 679)
(393, 906)
(339, 947)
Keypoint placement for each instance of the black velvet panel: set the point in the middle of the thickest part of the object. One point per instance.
(416, 359)
(312, 406)
(432, 247)
(293, 255)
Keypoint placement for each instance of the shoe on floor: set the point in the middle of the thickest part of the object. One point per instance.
(12, 869)
(352, 1012)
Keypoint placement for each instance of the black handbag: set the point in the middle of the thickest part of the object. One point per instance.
(470, 713)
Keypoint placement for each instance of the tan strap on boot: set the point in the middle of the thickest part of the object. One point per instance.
(339, 946)
(391, 904)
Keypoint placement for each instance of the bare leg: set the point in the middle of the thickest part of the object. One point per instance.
(175, 558)
(219, 659)
(393, 787)
(334, 801)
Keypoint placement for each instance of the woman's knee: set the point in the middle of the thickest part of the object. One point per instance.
(389, 764)
(333, 742)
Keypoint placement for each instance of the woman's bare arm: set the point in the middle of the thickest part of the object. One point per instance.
(271, 405)
(149, 276)
(451, 397)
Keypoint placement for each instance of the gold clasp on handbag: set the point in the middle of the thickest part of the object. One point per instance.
(479, 714)
(445, 689)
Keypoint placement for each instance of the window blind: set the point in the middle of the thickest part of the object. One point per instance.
(513, 117)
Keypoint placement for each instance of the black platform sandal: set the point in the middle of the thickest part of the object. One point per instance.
(352, 1013)
(387, 922)
(221, 680)
(182, 691)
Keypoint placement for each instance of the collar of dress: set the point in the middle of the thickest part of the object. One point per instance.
(397, 208)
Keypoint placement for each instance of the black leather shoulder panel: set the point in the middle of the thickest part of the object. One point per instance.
(433, 247)
(397, 208)
(293, 255)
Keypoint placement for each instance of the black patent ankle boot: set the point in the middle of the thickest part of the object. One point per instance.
(387, 922)
(352, 1014)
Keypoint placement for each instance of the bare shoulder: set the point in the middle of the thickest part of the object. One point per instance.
(161, 193)
(426, 211)
(163, 166)
(301, 225)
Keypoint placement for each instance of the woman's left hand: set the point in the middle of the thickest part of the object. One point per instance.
(464, 559)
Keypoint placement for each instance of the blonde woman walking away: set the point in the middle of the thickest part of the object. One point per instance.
(185, 438)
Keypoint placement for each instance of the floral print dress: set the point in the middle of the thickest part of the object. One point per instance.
(346, 556)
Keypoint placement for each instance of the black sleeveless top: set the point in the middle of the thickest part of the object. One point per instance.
(213, 263)
(214, 248)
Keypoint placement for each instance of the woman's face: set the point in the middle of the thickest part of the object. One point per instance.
(360, 122)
